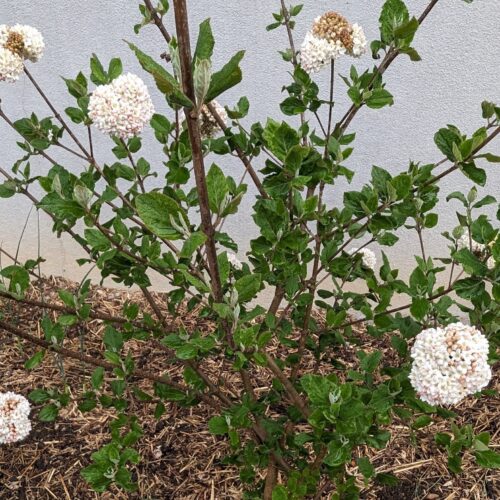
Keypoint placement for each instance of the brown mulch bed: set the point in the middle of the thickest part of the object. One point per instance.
(180, 459)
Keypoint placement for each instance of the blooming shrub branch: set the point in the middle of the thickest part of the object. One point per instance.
(304, 428)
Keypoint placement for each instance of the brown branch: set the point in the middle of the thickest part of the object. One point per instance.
(157, 20)
(143, 374)
(438, 295)
(427, 11)
(295, 62)
(271, 479)
(68, 310)
(290, 389)
(16, 261)
(456, 165)
(379, 71)
(57, 114)
(182, 26)
(241, 155)
(286, 16)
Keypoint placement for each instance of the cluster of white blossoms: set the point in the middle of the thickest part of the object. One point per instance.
(331, 37)
(368, 257)
(478, 249)
(121, 108)
(449, 364)
(209, 127)
(234, 261)
(18, 43)
(15, 424)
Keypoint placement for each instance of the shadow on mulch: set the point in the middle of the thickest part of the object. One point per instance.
(180, 459)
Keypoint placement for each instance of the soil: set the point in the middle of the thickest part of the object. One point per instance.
(180, 459)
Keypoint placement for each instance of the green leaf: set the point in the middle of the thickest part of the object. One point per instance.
(48, 413)
(35, 360)
(445, 138)
(94, 475)
(19, 278)
(455, 464)
(218, 426)
(194, 242)
(488, 458)
(39, 396)
(319, 389)
(337, 454)
(248, 286)
(187, 351)
(469, 288)
(115, 68)
(165, 82)
(408, 29)
(98, 75)
(201, 77)
(7, 189)
(113, 339)
(293, 106)
(394, 15)
(371, 361)
(419, 307)
(379, 98)
(97, 377)
(279, 493)
(217, 187)
(476, 174)
(156, 209)
(487, 200)
(206, 42)
(229, 76)
(422, 421)
(76, 114)
(365, 467)
(471, 264)
(63, 209)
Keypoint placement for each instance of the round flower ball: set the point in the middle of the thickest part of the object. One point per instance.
(11, 66)
(209, 128)
(331, 37)
(14, 417)
(368, 257)
(121, 108)
(24, 41)
(449, 364)
(32, 41)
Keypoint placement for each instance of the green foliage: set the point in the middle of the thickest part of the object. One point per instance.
(135, 218)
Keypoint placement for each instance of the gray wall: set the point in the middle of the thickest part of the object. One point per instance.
(459, 45)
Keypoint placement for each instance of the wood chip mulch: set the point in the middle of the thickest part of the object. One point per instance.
(180, 459)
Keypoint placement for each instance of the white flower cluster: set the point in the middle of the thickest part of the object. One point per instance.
(11, 66)
(15, 424)
(316, 53)
(359, 41)
(121, 108)
(478, 249)
(368, 257)
(331, 37)
(209, 127)
(234, 261)
(17, 43)
(449, 364)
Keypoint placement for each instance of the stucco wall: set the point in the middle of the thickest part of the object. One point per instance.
(460, 68)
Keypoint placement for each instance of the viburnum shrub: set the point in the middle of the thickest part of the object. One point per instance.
(295, 413)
